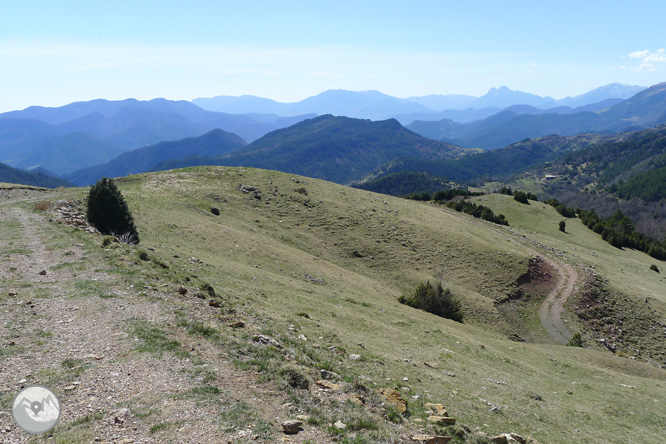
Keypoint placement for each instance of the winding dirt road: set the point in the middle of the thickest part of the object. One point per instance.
(550, 312)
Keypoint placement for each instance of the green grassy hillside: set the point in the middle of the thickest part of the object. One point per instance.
(320, 266)
(260, 255)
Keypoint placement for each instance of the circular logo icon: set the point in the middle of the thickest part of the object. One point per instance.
(36, 409)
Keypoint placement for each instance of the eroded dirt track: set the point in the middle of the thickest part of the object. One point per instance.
(552, 308)
(68, 321)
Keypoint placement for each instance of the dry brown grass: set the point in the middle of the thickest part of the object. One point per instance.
(43, 205)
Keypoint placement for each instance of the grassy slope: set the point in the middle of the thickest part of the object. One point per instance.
(258, 256)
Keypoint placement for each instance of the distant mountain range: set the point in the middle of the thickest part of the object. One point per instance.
(84, 141)
(643, 110)
(339, 149)
(378, 106)
(90, 133)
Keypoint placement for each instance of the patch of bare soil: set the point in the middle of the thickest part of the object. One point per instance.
(67, 321)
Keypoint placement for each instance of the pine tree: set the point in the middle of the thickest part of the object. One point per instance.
(109, 213)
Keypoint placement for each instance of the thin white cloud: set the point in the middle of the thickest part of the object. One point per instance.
(639, 54)
(649, 60)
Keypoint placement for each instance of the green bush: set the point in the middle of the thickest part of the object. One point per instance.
(109, 213)
(653, 267)
(563, 226)
(434, 299)
(520, 196)
(576, 340)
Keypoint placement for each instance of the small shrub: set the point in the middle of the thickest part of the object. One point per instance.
(392, 414)
(296, 380)
(127, 238)
(576, 340)
(42, 205)
(107, 210)
(434, 299)
(208, 289)
(653, 267)
(563, 226)
(520, 196)
(143, 255)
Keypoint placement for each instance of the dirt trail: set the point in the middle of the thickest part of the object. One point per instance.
(550, 313)
(56, 329)
(552, 308)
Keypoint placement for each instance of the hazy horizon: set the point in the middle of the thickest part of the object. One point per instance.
(52, 54)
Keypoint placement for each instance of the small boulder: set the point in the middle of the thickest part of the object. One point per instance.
(266, 340)
(328, 385)
(438, 409)
(356, 399)
(292, 427)
(394, 398)
(340, 425)
(441, 420)
(517, 438)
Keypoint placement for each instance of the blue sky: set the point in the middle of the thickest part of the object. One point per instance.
(56, 52)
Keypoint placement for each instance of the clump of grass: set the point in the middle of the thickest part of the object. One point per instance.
(237, 416)
(196, 392)
(156, 341)
(163, 426)
(208, 289)
(43, 205)
(352, 301)
(108, 240)
(161, 263)
(86, 419)
(200, 329)
(71, 363)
